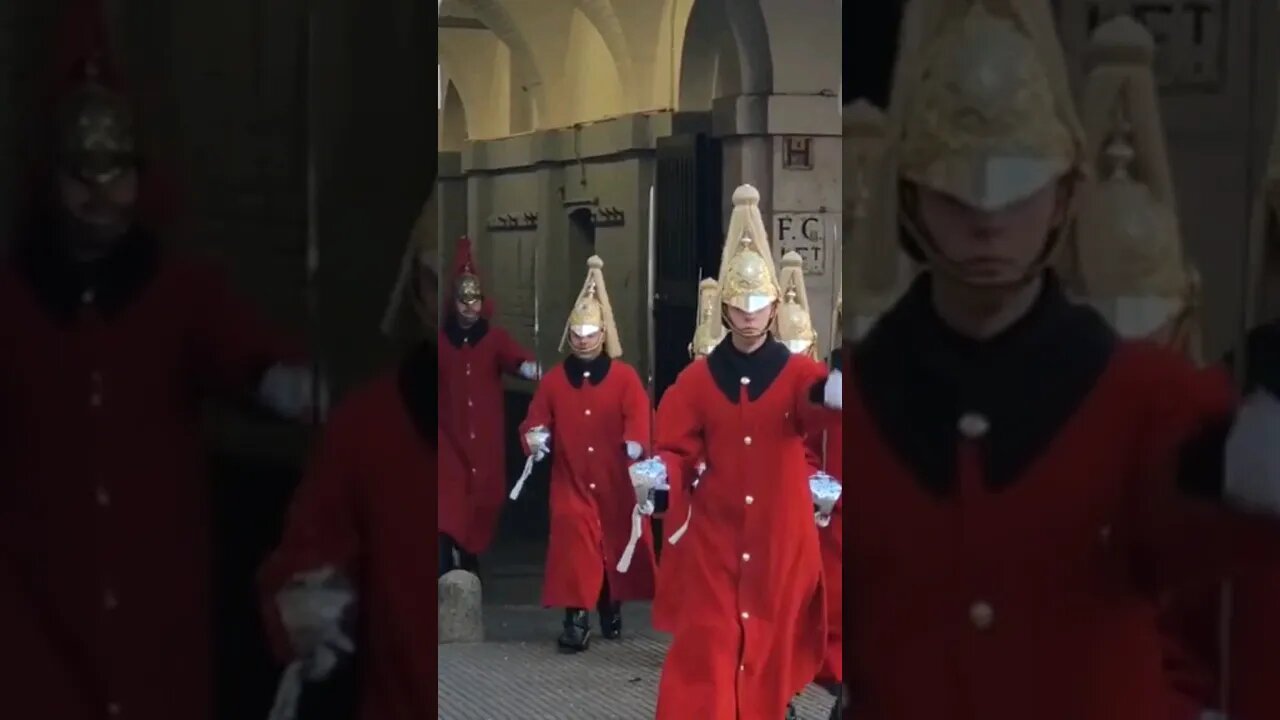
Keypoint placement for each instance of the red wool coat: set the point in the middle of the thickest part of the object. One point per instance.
(666, 601)
(751, 627)
(473, 478)
(591, 418)
(1029, 589)
(104, 511)
(364, 507)
(831, 542)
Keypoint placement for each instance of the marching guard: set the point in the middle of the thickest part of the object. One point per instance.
(474, 355)
(112, 343)
(677, 510)
(1028, 508)
(349, 576)
(750, 633)
(591, 416)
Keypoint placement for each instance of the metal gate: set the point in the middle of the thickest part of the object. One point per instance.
(688, 212)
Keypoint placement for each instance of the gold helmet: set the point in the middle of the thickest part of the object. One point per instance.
(982, 103)
(419, 278)
(1128, 246)
(794, 323)
(592, 312)
(710, 330)
(878, 270)
(97, 138)
(747, 278)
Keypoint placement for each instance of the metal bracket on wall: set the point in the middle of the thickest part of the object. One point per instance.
(513, 221)
(608, 217)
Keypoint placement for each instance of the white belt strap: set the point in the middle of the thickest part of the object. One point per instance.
(637, 528)
(288, 693)
(528, 470)
(680, 531)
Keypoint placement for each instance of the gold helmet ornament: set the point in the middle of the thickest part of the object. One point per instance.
(593, 314)
(794, 323)
(466, 280)
(982, 109)
(875, 267)
(747, 277)
(96, 133)
(710, 330)
(1129, 260)
(418, 281)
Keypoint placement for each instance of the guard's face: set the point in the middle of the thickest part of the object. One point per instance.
(468, 312)
(991, 246)
(587, 346)
(750, 324)
(101, 212)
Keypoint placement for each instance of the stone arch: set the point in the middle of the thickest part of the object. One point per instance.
(607, 23)
(500, 23)
(453, 121)
(724, 39)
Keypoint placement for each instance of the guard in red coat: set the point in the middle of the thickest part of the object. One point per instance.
(1025, 505)
(591, 414)
(677, 510)
(751, 629)
(349, 574)
(110, 343)
(474, 355)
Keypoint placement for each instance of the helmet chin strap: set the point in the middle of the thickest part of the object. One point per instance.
(592, 352)
(938, 262)
(748, 334)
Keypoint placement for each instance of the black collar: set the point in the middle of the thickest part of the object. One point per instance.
(60, 284)
(418, 382)
(459, 336)
(918, 377)
(732, 369)
(593, 371)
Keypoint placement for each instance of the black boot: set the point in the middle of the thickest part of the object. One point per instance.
(448, 555)
(577, 631)
(610, 614)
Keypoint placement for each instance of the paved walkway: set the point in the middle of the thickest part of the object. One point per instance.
(518, 675)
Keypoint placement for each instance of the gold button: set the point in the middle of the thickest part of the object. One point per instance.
(750, 499)
(473, 471)
(586, 374)
(87, 297)
(95, 400)
(982, 615)
(973, 425)
(109, 600)
(104, 497)
(746, 615)
(745, 380)
(592, 486)
(1104, 534)
(588, 411)
(473, 436)
(469, 403)
(746, 440)
(113, 709)
(590, 449)
(746, 557)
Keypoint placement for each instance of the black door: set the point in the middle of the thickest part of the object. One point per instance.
(689, 206)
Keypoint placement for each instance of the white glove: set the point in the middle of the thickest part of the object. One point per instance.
(1252, 466)
(539, 441)
(647, 478)
(312, 609)
(289, 391)
(825, 492)
(634, 450)
(530, 371)
(833, 391)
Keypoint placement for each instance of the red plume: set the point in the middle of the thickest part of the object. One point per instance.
(464, 264)
(81, 42)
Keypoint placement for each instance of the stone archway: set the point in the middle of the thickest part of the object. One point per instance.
(453, 121)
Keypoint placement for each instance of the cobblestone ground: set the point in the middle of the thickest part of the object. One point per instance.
(526, 679)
